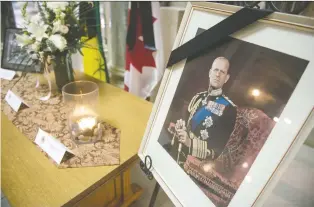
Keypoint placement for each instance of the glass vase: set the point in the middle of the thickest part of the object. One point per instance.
(62, 66)
(83, 121)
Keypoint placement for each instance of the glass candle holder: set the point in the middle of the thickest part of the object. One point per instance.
(83, 120)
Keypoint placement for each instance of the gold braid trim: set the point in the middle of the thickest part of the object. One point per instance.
(193, 105)
(210, 183)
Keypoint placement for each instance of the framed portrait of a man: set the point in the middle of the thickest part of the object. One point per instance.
(227, 122)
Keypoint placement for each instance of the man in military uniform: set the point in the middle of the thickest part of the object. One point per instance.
(211, 117)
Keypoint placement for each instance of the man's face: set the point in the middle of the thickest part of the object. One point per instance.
(218, 74)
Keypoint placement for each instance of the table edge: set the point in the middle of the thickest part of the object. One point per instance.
(116, 172)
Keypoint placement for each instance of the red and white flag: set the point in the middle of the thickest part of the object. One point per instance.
(144, 67)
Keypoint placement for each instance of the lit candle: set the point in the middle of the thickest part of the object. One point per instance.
(87, 123)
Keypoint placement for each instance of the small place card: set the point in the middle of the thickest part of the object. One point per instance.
(7, 74)
(14, 101)
(53, 147)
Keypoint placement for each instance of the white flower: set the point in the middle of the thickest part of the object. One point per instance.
(23, 40)
(37, 31)
(46, 14)
(57, 6)
(24, 23)
(36, 19)
(35, 46)
(56, 26)
(59, 41)
(62, 15)
(64, 29)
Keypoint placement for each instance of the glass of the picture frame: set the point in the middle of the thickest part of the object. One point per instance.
(225, 123)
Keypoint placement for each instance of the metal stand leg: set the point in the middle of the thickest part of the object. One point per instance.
(154, 195)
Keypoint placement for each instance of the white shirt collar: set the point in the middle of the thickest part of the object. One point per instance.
(215, 92)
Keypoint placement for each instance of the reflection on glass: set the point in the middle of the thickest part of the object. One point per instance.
(248, 178)
(288, 121)
(256, 92)
(276, 119)
(207, 167)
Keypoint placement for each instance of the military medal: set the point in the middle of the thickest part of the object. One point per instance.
(208, 122)
(204, 134)
(215, 108)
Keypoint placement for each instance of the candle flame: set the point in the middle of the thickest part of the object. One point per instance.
(87, 123)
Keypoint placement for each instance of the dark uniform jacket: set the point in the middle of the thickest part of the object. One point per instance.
(210, 122)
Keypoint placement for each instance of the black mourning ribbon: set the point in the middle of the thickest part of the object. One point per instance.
(145, 11)
(216, 34)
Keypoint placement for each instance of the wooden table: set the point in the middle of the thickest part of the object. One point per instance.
(30, 179)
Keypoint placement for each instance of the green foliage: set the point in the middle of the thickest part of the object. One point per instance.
(24, 9)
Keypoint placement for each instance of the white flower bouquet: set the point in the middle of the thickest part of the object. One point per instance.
(54, 33)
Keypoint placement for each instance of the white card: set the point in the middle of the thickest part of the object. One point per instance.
(53, 147)
(7, 74)
(14, 101)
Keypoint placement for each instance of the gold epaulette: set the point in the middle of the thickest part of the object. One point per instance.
(229, 100)
(194, 100)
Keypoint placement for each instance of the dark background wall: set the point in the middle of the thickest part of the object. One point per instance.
(7, 18)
